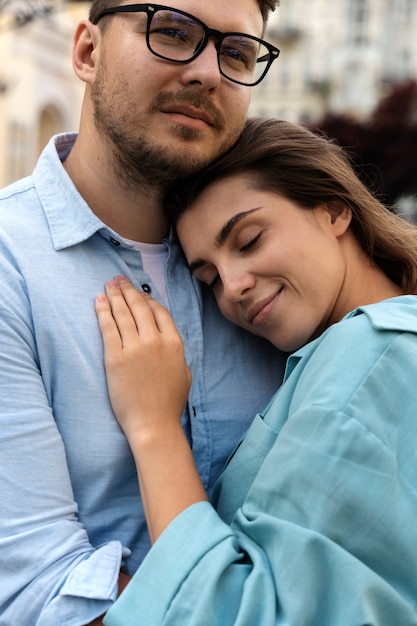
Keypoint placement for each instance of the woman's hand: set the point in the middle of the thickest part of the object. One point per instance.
(149, 380)
(147, 375)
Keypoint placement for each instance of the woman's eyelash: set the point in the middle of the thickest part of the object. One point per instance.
(214, 281)
(247, 246)
(251, 243)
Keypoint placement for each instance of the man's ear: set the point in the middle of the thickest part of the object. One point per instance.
(340, 217)
(85, 51)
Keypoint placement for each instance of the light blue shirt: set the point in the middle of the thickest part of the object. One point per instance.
(316, 521)
(70, 511)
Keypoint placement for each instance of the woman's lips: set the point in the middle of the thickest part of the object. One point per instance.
(259, 313)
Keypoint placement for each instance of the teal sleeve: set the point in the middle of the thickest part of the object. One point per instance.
(314, 543)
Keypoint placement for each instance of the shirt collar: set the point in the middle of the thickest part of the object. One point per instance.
(70, 219)
(394, 314)
(397, 314)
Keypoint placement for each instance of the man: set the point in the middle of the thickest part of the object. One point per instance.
(165, 94)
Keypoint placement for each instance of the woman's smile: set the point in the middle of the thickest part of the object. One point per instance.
(259, 313)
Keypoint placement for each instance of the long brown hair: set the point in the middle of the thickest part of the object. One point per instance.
(310, 170)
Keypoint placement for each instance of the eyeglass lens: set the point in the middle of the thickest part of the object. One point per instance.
(177, 37)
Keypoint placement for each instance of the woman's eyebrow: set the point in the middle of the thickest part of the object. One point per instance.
(224, 233)
(230, 224)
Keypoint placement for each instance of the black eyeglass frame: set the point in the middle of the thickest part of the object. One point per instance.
(151, 9)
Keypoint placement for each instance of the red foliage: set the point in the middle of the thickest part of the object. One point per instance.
(384, 149)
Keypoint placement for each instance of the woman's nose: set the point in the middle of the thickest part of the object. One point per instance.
(236, 285)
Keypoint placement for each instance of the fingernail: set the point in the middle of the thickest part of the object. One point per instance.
(121, 279)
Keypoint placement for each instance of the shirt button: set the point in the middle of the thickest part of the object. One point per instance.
(114, 241)
(146, 288)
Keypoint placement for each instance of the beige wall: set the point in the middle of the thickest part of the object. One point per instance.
(42, 95)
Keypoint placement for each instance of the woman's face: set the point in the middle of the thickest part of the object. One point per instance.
(275, 269)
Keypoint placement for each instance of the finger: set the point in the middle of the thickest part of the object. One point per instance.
(162, 316)
(133, 316)
(155, 314)
(126, 321)
(108, 327)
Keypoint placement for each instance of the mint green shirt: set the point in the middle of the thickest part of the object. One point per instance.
(314, 520)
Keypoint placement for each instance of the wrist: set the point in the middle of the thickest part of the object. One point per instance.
(156, 436)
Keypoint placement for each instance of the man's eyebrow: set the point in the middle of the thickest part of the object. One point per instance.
(223, 235)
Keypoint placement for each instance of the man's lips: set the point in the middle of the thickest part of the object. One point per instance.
(191, 105)
(259, 312)
(188, 111)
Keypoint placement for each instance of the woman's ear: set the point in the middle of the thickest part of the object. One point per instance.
(84, 51)
(340, 217)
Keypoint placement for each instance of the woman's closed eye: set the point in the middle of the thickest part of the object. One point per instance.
(250, 243)
(243, 241)
(207, 274)
(214, 279)
(214, 282)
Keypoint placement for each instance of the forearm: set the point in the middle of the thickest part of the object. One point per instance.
(168, 478)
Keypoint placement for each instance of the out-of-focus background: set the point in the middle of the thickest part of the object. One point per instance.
(347, 67)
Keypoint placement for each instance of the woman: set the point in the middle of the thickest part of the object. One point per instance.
(314, 520)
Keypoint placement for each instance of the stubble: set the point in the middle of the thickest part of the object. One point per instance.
(138, 161)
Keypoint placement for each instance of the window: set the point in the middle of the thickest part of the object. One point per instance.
(358, 21)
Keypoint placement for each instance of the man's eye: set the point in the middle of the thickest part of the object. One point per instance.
(169, 33)
(233, 55)
(239, 54)
(250, 243)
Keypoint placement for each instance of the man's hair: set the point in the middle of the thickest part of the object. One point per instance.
(97, 6)
(310, 170)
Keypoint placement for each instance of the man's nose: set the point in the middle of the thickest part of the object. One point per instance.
(204, 70)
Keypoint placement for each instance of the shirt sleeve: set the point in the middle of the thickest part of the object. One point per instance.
(323, 537)
(50, 574)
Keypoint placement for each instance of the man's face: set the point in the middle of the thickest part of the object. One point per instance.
(168, 119)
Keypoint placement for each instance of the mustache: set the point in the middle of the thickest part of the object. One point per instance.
(194, 99)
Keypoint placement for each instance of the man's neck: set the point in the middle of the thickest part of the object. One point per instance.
(135, 214)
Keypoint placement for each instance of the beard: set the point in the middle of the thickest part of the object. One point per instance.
(138, 161)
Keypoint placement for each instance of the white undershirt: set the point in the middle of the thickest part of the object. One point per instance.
(154, 258)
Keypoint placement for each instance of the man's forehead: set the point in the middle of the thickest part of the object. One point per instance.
(226, 15)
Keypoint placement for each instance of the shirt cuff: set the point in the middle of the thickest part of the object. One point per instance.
(89, 590)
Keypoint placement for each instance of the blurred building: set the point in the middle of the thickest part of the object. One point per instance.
(340, 55)
(39, 94)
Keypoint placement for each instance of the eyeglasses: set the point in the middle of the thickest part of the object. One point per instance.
(177, 36)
